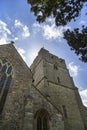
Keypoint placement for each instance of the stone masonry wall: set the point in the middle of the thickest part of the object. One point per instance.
(36, 103)
(13, 112)
(56, 84)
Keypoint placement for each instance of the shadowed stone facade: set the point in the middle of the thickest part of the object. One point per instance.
(42, 97)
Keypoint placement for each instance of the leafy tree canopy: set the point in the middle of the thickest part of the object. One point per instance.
(63, 11)
(77, 40)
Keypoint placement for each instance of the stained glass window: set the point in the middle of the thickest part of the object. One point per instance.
(9, 70)
(5, 81)
(2, 81)
(4, 61)
(4, 68)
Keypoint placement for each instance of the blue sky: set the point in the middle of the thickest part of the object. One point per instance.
(18, 24)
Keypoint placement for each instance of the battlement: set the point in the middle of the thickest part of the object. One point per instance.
(51, 67)
(50, 58)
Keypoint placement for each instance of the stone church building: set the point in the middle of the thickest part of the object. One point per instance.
(42, 97)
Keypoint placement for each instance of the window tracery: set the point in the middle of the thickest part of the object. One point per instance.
(42, 120)
(5, 81)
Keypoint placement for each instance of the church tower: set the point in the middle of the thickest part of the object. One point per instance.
(52, 78)
(42, 97)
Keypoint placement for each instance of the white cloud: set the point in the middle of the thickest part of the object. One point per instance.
(28, 55)
(82, 22)
(3, 28)
(3, 40)
(18, 23)
(15, 38)
(23, 29)
(31, 55)
(74, 69)
(7, 35)
(83, 94)
(4, 33)
(22, 53)
(50, 30)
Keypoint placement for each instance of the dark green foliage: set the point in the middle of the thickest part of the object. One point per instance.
(62, 10)
(77, 40)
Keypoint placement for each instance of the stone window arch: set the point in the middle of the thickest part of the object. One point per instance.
(42, 120)
(5, 81)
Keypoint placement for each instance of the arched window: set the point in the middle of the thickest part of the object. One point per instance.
(5, 81)
(42, 120)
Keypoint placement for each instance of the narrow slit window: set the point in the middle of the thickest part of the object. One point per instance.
(65, 111)
(58, 79)
(56, 66)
